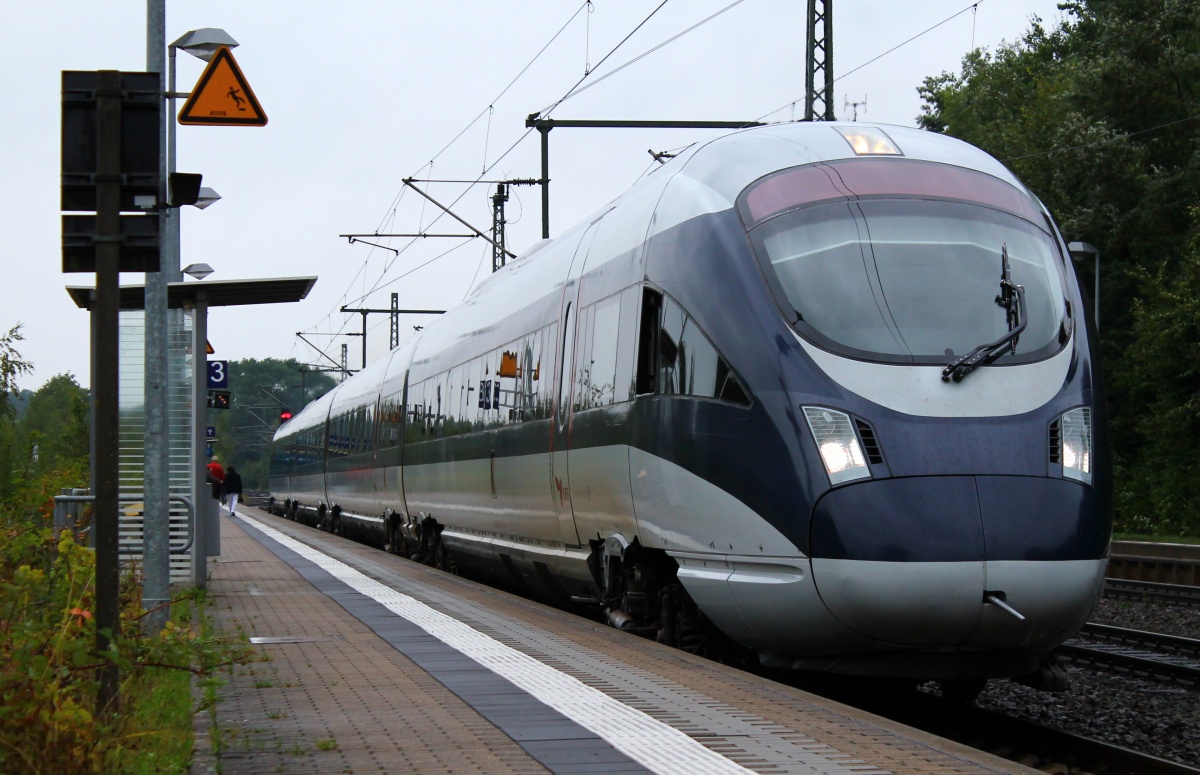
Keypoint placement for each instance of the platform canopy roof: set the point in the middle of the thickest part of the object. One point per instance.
(219, 293)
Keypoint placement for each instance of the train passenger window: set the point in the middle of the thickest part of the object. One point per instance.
(605, 326)
(439, 406)
(416, 415)
(624, 385)
(389, 421)
(473, 374)
(546, 387)
(583, 390)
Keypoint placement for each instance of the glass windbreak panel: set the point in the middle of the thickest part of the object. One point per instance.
(698, 363)
(669, 333)
(913, 280)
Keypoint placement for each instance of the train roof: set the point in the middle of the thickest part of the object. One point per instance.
(706, 178)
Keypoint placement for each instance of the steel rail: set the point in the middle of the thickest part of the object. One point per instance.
(1125, 589)
(1149, 655)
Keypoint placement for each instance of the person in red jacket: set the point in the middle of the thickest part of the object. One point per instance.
(216, 477)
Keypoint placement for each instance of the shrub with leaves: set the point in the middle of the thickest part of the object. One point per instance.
(48, 662)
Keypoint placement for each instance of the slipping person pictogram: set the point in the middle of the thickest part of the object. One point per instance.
(233, 94)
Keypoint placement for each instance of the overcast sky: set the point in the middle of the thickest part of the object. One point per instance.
(363, 93)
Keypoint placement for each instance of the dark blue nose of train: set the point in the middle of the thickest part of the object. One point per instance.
(914, 561)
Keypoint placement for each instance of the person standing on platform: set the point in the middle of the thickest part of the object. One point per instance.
(233, 489)
(216, 477)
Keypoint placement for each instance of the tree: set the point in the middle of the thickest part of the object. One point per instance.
(12, 365)
(1101, 117)
(54, 428)
(261, 388)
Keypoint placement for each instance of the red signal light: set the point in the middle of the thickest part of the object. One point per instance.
(285, 415)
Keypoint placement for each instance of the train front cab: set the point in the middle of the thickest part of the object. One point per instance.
(963, 525)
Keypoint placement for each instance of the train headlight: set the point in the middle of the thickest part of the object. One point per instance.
(869, 141)
(1077, 444)
(840, 451)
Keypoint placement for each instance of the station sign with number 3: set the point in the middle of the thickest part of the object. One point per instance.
(218, 375)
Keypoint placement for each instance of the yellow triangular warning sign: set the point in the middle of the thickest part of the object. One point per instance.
(208, 348)
(222, 97)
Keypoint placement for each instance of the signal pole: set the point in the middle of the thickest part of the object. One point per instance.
(499, 243)
(498, 200)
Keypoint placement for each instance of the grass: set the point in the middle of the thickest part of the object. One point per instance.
(158, 705)
(326, 744)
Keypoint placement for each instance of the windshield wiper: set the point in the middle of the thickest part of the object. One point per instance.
(1012, 299)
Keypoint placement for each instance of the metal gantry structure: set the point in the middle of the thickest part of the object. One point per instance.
(818, 106)
(818, 69)
(395, 312)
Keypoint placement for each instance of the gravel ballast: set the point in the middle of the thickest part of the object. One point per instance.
(1147, 716)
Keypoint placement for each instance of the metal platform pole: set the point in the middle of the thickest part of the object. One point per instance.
(156, 516)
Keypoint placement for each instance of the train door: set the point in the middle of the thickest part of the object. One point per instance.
(560, 433)
(561, 424)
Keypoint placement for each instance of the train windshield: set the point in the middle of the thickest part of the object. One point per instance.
(911, 280)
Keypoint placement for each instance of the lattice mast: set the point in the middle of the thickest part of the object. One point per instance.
(818, 102)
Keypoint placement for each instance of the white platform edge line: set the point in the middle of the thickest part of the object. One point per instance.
(655, 745)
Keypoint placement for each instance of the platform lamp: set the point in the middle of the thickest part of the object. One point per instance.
(202, 44)
(198, 271)
(1080, 251)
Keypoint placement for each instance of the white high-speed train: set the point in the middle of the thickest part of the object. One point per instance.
(825, 388)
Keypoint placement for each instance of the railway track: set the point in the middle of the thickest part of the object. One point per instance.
(1144, 591)
(1053, 745)
(1017, 739)
(1150, 655)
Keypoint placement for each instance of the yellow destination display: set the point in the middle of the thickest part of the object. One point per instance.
(222, 96)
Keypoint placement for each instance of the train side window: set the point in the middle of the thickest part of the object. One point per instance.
(624, 383)
(584, 392)
(438, 407)
(546, 390)
(605, 325)
(416, 421)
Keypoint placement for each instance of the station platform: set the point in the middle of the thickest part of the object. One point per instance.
(379, 664)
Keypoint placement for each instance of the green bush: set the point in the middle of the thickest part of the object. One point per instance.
(48, 661)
